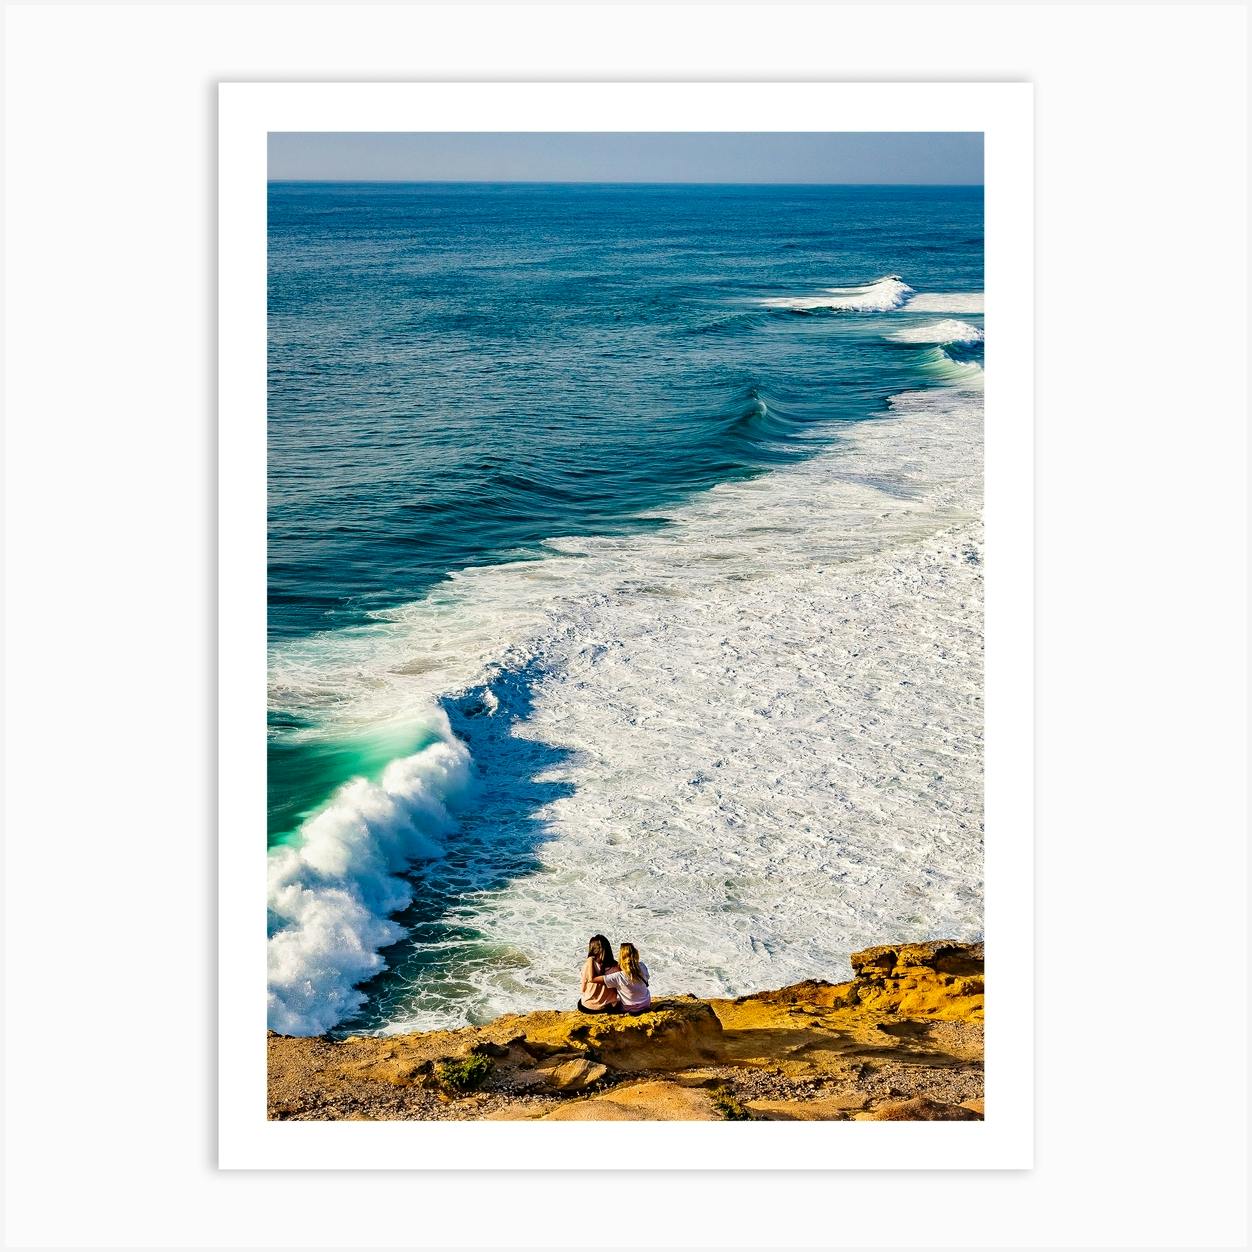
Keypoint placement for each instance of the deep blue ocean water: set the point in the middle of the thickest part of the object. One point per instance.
(459, 373)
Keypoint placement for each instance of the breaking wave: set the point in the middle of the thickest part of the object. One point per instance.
(951, 371)
(331, 897)
(883, 295)
(880, 296)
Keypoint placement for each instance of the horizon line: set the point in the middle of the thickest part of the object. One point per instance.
(595, 182)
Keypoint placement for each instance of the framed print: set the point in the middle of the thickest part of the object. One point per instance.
(626, 625)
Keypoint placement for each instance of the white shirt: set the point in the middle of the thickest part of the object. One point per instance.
(632, 996)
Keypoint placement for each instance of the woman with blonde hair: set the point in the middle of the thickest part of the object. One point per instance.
(630, 982)
(596, 997)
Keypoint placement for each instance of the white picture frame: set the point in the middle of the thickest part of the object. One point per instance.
(1003, 112)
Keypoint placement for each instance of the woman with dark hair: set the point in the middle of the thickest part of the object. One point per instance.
(596, 997)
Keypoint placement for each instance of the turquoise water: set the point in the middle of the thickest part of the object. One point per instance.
(461, 377)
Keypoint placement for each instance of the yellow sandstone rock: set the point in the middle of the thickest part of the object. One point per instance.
(639, 1102)
(573, 1075)
(901, 1041)
(822, 1109)
(921, 1109)
(678, 1033)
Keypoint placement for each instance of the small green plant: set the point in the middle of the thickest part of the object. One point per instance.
(463, 1073)
(730, 1108)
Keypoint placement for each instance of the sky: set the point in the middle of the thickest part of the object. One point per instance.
(658, 157)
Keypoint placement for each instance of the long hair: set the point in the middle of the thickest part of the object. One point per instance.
(601, 952)
(632, 967)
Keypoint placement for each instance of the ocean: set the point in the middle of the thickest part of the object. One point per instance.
(625, 576)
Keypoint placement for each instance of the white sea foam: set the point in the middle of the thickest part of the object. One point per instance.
(945, 302)
(947, 331)
(879, 296)
(757, 731)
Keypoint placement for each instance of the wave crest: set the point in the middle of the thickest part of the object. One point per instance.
(331, 896)
(880, 296)
(950, 371)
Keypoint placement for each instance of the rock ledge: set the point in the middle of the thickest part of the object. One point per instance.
(902, 1040)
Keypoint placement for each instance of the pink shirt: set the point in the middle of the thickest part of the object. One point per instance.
(596, 995)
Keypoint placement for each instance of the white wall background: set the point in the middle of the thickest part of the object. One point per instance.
(1141, 547)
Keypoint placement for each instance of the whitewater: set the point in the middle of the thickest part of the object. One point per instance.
(749, 740)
